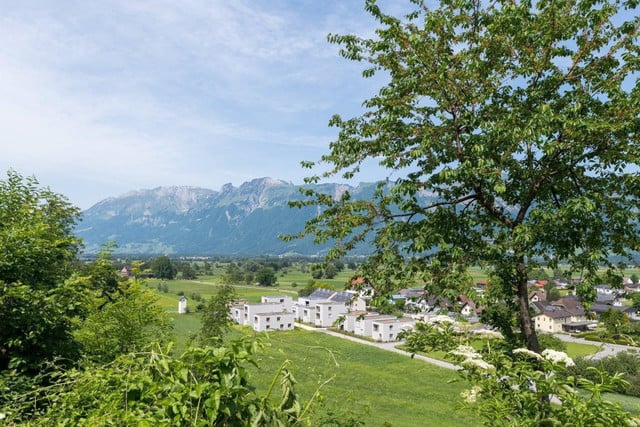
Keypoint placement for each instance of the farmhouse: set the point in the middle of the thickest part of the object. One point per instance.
(559, 315)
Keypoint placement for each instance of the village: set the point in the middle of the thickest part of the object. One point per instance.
(350, 311)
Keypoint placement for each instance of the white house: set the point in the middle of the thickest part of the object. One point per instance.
(306, 309)
(274, 312)
(551, 317)
(278, 321)
(364, 324)
(388, 329)
(349, 324)
(327, 312)
(237, 313)
(250, 310)
(285, 300)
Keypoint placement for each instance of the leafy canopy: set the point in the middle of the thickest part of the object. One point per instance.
(511, 132)
(163, 268)
(37, 244)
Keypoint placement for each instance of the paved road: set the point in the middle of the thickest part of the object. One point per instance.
(605, 350)
(388, 346)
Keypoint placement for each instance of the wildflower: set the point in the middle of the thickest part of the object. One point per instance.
(488, 334)
(471, 395)
(466, 352)
(557, 357)
(527, 352)
(478, 363)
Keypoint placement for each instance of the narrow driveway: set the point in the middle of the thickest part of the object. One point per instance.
(388, 346)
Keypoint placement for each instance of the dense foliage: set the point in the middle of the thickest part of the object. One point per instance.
(215, 315)
(525, 388)
(521, 122)
(206, 386)
(36, 326)
(36, 241)
(132, 322)
(163, 268)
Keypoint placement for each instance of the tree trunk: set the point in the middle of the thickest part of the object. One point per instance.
(522, 293)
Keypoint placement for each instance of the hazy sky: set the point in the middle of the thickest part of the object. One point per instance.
(100, 98)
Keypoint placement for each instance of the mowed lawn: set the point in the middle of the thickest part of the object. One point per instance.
(394, 389)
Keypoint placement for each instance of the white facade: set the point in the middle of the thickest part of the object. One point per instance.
(326, 313)
(349, 324)
(285, 300)
(252, 309)
(182, 305)
(279, 321)
(237, 314)
(364, 325)
(387, 330)
(307, 314)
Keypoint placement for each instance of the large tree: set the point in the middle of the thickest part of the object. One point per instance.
(38, 251)
(163, 268)
(37, 244)
(511, 132)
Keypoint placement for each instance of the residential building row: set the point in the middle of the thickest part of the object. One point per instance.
(323, 308)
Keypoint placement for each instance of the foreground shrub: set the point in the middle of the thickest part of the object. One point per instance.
(524, 388)
(202, 387)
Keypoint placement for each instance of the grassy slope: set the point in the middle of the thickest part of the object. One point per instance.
(399, 390)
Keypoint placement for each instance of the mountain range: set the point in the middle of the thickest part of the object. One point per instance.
(244, 220)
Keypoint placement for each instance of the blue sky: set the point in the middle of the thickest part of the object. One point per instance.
(100, 98)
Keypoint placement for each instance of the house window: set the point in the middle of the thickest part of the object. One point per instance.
(282, 300)
(375, 328)
(277, 318)
(281, 326)
(268, 319)
(329, 308)
(288, 325)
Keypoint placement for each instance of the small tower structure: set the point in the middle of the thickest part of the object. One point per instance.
(182, 305)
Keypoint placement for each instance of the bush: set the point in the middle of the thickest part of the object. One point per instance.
(203, 386)
(624, 363)
(550, 341)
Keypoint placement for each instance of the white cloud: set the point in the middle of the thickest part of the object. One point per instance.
(111, 96)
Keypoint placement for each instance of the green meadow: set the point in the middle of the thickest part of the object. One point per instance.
(387, 388)
(384, 388)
